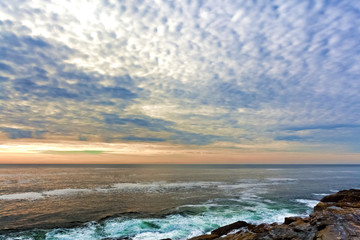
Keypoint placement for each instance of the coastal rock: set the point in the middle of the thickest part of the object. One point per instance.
(289, 220)
(337, 216)
(205, 237)
(228, 228)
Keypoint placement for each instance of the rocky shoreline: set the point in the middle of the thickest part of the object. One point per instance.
(336, 216)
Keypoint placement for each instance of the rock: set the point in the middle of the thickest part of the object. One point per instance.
(349, 196)
(258, 228)
(228, 228)
(337, 216)
(289, 220)
(320, 206)
(205, 237)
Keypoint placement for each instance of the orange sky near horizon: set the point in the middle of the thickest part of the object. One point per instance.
(186, 158)
(27, 151)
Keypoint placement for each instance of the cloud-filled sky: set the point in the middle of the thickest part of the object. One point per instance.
(246, 76)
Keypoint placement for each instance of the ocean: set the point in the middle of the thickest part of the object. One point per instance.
(157, 201)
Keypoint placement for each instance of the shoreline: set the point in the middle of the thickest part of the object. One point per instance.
(342, 205)
(74, 224)
(336, 216)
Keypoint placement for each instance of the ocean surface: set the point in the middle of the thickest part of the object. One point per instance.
(157, 201)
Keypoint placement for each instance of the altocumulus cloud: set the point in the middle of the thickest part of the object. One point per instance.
(194, 72)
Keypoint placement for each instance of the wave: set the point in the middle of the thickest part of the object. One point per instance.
(41, 195)
(22, 196)
(320, 194)
(144, 187)
(281, 179)
(246, 188)
(162, 185)
(308, 202)
(185, 222)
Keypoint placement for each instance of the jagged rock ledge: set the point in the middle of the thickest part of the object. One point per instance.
(337, 216)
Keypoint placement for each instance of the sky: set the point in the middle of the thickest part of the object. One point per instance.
(182, 81)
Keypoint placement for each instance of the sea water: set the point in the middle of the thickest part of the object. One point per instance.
(157, 201)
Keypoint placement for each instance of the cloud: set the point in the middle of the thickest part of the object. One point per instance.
(14, 133)
(323, 127)
(290, 138)
(189, 138)
(36, 42)
(26, 86)
(193, 72)
(6, 68)
(139, 121)
(143, 139)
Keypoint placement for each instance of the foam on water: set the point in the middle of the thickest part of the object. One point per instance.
(130, 187)
(41, 195)
(155, 186)
(243, 185)
(185, 222)
(254, 196)
(308, 202)
(281, 179)
(174, 226)
(62, 192)
(22, 196)
(321, 194)
(248, 188)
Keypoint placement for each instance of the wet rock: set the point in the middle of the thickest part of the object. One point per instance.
(228, 228)
(337, 216)
(289, 220)
(205, 237)
(349, 196)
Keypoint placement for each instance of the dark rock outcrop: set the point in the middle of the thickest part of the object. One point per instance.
(228, 228)
(337, 217)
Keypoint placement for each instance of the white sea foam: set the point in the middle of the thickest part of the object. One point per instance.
(41, 195)
(281, 179)
(67, 191)
(22, 196)
(268, 201)
(156, 186)
(248, 180)
(320, 194)
(308, 202)
(174, 226)
(248, 190)
(243, 185)
(324, 171)
(144, 187)
(183, 227)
